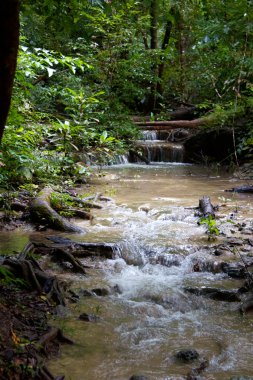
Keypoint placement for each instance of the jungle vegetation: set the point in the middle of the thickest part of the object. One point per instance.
(85, 66)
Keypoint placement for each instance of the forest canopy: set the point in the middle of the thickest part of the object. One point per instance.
(85, 67)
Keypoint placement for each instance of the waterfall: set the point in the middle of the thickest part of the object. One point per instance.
(149, 135)
(159, 146)
(155, 146)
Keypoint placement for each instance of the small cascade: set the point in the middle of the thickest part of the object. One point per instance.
(159, 146)
(149, 135)
(121, 159)
(162, 151)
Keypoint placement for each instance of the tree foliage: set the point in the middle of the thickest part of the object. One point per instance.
(84, 66)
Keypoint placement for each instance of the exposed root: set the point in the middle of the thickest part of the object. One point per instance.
(42, 212)
(52, 334)
(35, 278)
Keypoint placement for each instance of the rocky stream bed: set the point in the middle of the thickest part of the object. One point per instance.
(144, 291)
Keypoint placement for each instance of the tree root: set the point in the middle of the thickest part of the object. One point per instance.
(52, 334)
(42, 212)
(86, 203)
(36, 278)
(59, 254)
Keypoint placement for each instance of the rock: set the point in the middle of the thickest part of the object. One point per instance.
(234, 241)
(89, 317)
(234, 270)
(187, 355)
(101, 292)
(215, 293)
(220, 251)
(168, 260)
(247, 303)
(138, 377)
(206, 207)
(250, 241)
(241, 378)
(192, 375)
(242, 189)
(86, 293)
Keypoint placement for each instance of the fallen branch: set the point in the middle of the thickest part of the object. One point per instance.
(172, 124)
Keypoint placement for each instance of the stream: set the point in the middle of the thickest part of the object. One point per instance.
(147, 317)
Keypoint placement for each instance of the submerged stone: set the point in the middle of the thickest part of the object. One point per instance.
(215, 293)
(89, 317)
(234, 270)
(187, 355)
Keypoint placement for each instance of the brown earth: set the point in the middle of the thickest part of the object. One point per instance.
(24, 321)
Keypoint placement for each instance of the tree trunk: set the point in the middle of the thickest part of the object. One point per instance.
(162, 64)
(9, 39)
(153, 24)
(153, 46)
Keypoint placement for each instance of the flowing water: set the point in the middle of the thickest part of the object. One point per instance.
(160, 146)
(148, 317)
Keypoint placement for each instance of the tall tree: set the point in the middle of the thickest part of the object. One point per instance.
(9, 39)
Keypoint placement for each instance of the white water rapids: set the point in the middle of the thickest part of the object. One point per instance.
(148, 316)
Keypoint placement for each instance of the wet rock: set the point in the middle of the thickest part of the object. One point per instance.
(247, 303)
(247, 232)
(86, 293)
(199, 265)
(234, 241)
(101, 292)
(116, 289)
(246, 248)
(89, 317)
(250, 241)
(144, 207)
(242, 189)
(187, 355)
(215, 294)
(138, 377)
(222, 249)
(241, 378)
(168, 260)
(234, 270)
(192, 375)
